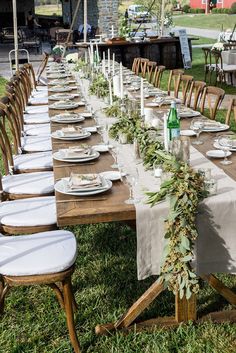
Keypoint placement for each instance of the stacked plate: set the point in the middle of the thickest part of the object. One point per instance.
(59, 75)
(62, 96)
(64, 186)
(60, 89)
(214, 126)
(60, 82)
(70, 134)
(78, 155)
(66, 118)
(66, 104)
(189, 113)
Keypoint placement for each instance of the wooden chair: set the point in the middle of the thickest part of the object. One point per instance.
(211, 99)
(40, 82)
(194, 94)
(41, 259)
(231, 109)
(157, 75)
(208, 64)
(183, 84)
(135, 65)
(173, 80)
(151, 66)
(143, 67)
(222, 70)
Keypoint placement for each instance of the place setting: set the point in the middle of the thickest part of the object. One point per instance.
(66, 104)
(83, 184)
(63, 96)
(71, 133)
(61, 88)
(66, 118)
(76, 154)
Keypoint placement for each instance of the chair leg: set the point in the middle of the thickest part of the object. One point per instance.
(68, 300)
(3, 291)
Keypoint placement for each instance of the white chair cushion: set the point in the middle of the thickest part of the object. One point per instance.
(42, 118)
(38, 100)
(39, 94)
(36, 143)
(37, 109)
(37, 129)
(33, 161)
(29, 183)
(35, 211)
(37, 254)
(42, 88)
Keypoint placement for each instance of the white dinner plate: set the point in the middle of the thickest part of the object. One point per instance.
(189, 114)
(62, 187)
(67, 119)
(111, 175)
(58, 76)
(71, 105)
(60, 89)
(222, 127)
(62, 96)
(187, 133)
(217, 154)
(68, 138)
(58, 156)
(217, 145)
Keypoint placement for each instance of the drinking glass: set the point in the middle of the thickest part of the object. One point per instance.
(130, 178)
(114, 152)
(225, 143)
(197, 125)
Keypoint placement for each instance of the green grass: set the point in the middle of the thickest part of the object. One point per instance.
(105, 285)
(197, 71)
(202, 40)
(211, 21)
(49, 10)
(3, 82)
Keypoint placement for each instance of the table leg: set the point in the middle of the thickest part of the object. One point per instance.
(215, 283)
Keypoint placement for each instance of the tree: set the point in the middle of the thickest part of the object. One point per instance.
(156, 8)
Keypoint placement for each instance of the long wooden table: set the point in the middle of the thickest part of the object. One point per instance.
(109, 207)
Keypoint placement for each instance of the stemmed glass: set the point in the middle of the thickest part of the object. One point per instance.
(197, 125)
(130, 178)
(114, 152)
(225, 143)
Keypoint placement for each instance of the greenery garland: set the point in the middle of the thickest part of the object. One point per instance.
(184, 190)
(99, 86)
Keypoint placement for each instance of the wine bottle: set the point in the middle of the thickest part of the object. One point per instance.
(173, 123)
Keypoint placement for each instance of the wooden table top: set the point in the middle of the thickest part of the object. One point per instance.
(108, 206)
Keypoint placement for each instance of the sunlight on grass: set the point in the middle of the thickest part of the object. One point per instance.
(49, 10)
(211, 21)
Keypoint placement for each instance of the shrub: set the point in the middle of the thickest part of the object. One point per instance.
(214, 10)
(200, 10)
(233, 8)
(225, 10)
(186, 8)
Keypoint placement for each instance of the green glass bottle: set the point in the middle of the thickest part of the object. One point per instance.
(173, 123)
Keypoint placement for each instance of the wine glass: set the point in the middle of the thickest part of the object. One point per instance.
(197, 125)
(130, 178)
(114, 152)
(225, 144)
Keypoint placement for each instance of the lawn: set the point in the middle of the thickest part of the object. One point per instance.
(211, 21)
(202, 40)
(3, 81)
(49, 10)
(105, 285)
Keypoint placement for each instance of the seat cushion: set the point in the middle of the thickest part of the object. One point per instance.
(37, 254)
(33, 161)
(37, 109)
(32, 212)
(36, 143)
(42, 118)
(37, 129)
(39, 94)
(38, 100)
(29, 183)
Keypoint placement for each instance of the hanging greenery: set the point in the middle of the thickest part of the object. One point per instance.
(183, 190)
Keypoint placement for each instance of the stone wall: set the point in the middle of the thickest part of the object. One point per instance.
(101, 13)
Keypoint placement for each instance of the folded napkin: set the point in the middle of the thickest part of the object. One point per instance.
(65, 116)
(70, 131)
(63, 102)
(77, 152)
(212, 124)
(84, 180)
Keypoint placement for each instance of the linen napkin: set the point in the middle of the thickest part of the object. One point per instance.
(84, 180)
